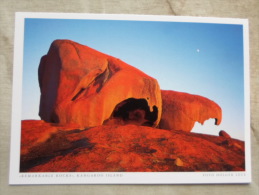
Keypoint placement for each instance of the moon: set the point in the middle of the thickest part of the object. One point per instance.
(198, 50)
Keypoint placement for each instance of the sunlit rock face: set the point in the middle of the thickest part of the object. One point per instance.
(101, 114)
(47, 147)
(80, 85)
(182, 110)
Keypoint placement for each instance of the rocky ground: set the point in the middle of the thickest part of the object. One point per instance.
(48, 147)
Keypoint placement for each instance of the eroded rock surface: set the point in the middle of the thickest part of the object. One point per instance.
(101, 114)
(80, 85)
(55, 148)
(181, 110)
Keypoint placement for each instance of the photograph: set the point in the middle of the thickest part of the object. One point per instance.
(130, 99)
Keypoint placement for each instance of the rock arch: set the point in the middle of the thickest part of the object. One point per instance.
(133, 111)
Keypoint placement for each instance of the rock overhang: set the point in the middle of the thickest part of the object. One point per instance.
(83, 86)
(181, 110)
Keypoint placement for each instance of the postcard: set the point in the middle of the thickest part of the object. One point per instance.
(130, 99)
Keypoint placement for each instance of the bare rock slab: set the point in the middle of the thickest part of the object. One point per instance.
(128, 148)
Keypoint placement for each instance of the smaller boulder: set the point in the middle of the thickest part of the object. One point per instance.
(224, 134)
(181, 110)
(178, 162)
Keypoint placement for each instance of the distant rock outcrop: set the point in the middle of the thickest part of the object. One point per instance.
(224, 134)
(181, 110)
(50, 147)
(83, 86)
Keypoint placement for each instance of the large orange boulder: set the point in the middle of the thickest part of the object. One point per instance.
(80, 85)
(181, 110)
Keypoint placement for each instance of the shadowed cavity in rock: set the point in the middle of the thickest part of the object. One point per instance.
(133, 111)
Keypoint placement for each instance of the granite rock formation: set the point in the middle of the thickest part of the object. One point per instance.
(182, 110)
(80, 85)
(50, 147)
(101, 114)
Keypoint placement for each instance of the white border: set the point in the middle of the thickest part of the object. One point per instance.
(16, 178)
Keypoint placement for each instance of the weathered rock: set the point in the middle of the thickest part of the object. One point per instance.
(224, 134)
(181, 110)
(56, 148)
(83, 86)
(36, 132)
(178, 162)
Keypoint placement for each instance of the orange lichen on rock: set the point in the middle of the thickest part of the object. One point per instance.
(34, 132)
(83, 86)
(130, 148)
(181, 110)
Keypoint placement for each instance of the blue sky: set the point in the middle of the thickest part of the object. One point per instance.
(198, 58)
